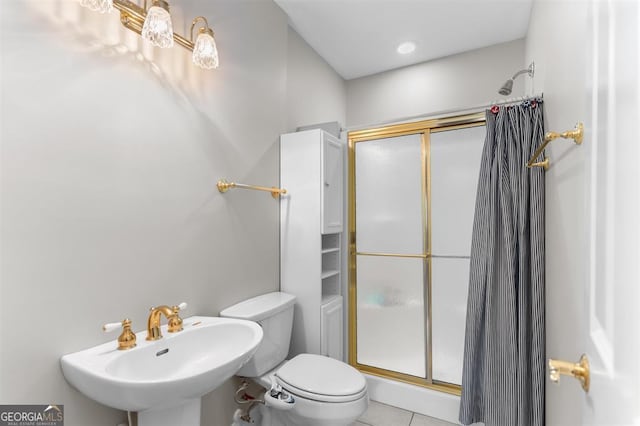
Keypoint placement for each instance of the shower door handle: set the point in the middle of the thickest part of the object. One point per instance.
(579, 370)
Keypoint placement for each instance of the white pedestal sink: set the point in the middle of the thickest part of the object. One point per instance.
(164, 380)
(183, 414)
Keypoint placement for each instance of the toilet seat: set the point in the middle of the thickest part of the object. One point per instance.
(322, 379)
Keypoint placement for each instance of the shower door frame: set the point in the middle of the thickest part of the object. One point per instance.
(423, 128)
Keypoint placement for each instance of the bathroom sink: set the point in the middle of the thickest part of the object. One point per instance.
(172, 371)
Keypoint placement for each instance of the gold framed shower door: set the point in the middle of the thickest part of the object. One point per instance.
(424, 128)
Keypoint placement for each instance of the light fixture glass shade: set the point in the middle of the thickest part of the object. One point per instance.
(157, 27)
(102, 6)
(205, 52)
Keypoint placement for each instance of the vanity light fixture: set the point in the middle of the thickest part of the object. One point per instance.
(154, 24)
(205, 52)
(157, 27)
(102, 6)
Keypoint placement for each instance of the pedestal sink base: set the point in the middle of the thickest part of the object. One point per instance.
(187, 414)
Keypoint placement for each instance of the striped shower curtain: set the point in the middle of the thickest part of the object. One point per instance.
(504, 356)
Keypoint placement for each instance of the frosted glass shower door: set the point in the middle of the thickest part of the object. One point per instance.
(412, 192)
(455, 166)
(390, 254)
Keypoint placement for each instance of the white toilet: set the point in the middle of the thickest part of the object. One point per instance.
(325, 391)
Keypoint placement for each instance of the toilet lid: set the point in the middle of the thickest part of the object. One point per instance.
(322, 378)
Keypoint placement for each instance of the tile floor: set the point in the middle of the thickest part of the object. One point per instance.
(385, 415)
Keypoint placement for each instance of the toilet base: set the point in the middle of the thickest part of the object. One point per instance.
(311, 413)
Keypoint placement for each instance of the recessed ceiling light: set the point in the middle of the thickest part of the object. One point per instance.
(406, 47)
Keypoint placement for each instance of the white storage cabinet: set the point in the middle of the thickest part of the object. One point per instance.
(311, 223)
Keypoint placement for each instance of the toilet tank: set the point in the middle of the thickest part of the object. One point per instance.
(274, 312)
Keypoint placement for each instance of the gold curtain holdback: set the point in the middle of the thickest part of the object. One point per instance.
(579, 370)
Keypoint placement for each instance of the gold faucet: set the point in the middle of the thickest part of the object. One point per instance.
(127, 338)
(173, 317)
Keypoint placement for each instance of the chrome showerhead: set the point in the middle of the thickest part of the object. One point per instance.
(507, 87)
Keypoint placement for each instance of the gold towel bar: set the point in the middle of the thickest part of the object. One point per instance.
(576, 134)
(224, 186)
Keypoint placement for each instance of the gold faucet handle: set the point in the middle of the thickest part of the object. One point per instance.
(175, 322)
(127, 338)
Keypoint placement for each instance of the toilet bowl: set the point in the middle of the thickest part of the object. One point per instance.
(325, 391)
(310, 390)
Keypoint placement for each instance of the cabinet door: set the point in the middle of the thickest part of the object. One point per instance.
(331, 329)
(332, 182)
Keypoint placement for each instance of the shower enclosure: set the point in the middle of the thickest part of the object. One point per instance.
(411, 205)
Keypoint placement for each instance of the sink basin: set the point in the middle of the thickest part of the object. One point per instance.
(163, 375)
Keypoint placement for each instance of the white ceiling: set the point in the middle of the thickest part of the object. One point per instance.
(360, 37)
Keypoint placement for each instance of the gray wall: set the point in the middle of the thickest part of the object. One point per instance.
(560, 55)
(315, 92)
(458, 81)
(109, 156)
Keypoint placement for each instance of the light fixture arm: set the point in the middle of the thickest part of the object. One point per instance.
(206, 27)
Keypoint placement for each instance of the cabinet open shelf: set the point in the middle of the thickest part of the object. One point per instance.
(331, 286)
(328, 298)
(330, 241)
(330, 250)
(329, 273)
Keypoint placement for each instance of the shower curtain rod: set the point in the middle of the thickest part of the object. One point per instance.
(442, 113)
